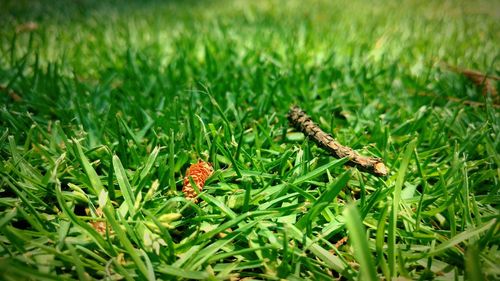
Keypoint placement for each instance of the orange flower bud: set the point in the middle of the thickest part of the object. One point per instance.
(199, 172)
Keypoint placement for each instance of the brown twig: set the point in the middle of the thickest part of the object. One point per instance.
(458, 100)
(13, 95)
(470, 72)
(27, 27)
(341, 241)
(485, 81)
(301, 121)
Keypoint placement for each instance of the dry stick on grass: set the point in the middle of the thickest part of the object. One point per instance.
(301, 121)
(457, 100)
(485, 81)
(13, 95)
(481, 80)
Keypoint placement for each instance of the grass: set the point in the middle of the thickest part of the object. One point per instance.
(105, 105)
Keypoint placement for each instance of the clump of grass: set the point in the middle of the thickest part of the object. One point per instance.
(114, 103)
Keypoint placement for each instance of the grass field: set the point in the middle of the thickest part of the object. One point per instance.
(105, 105)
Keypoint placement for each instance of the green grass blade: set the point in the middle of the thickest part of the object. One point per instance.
(171, 164)
(473, 264)
(214, 201)
(95, 183)
(331, 260)
(332, 190)
(74, 219)
(122, 237)
(320, 170)
(146, 171)
(182, 273)
(459, 238)
(78, 263)
(395, 206)
(206, 253)
(123, 183)
(359, 242)
(149, 266)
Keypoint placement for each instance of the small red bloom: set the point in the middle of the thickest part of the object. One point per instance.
(199, 172)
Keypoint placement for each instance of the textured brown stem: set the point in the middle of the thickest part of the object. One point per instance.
(482, 80)
(303, 122)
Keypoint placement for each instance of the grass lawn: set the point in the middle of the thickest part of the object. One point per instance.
(104, 105)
